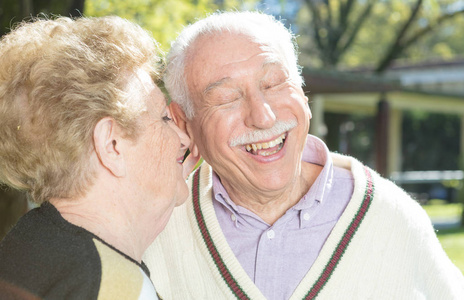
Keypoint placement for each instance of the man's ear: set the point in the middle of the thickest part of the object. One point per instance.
(184, 124)
(107, 141)
(178, 116)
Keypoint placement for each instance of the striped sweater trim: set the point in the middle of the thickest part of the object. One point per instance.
(345, 240)
(219, 262)
(324, 277)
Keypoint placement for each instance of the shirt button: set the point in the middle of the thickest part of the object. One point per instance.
(233, 217)
(271, 234)
(306, 216)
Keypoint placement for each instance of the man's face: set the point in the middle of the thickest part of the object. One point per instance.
(251, 120)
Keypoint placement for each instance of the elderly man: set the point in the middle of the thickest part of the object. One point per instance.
(273, 214)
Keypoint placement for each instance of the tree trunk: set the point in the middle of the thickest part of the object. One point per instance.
(381, 137)
(462, 216)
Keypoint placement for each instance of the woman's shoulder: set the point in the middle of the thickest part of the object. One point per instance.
(43, 258)
(47, 256)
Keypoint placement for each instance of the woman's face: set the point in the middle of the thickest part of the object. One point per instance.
(155, 160)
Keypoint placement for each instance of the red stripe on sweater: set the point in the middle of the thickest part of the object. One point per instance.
(347, 237)
(225, 273)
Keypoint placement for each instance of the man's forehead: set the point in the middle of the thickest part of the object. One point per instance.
(217, 49)
(215, 58)
(214, 54)
(269, 61)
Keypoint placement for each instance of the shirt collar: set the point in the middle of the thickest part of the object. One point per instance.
(316, 152)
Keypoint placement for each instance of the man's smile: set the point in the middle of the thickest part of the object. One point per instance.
(267, 148)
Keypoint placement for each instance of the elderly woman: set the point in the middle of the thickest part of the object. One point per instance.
(86, 132)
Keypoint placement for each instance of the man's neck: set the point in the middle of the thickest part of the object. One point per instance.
(270, 206)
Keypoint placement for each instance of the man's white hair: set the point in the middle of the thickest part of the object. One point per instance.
(261, 28)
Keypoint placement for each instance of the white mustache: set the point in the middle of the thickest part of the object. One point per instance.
(260, 135)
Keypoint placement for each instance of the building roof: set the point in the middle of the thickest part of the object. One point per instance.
(320, 81)
(323, 82)
(431, 64)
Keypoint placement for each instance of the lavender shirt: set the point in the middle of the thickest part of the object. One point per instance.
(277, 257)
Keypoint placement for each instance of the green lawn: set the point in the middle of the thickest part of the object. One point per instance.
(437, 209)
(452, 240)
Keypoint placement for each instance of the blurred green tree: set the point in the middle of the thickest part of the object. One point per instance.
(354, 32)
(165, 19)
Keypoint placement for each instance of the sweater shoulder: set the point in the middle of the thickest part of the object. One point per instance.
(54, 259)
(396, 200)
(388, 198)
(39, 245)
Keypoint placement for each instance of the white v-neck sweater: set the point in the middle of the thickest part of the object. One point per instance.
(382, 247)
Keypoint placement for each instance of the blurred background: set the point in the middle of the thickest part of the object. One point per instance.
(385, 79)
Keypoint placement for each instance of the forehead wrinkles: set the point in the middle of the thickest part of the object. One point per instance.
(270, 60)
(211, 52)
(210, 59)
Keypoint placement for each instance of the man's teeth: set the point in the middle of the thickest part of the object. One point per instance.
(267, 145)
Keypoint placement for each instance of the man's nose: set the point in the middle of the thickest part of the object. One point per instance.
(259, 112)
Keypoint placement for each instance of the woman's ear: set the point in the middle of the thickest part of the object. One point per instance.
(183, 123)
(107, 140)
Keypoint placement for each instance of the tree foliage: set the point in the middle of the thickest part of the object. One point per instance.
(164, 19)
(353, 32)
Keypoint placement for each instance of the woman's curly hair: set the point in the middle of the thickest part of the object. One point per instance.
(58, 78)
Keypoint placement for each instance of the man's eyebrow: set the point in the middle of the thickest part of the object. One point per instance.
(272, 61)
(215, 84)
